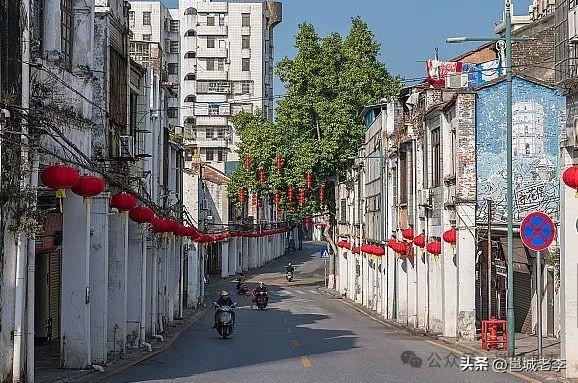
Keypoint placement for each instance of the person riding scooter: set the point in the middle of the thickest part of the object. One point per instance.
(241, 286)
(260, 289)
(290, 268)
(224, 300)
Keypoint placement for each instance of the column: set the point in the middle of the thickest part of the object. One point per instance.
(161, 280)
(245, 256)
(410, 292)
(450, 293)
(466, 258)
(99, 278)
(133, 281)
(117, 281)
(232, 256)
(75, 314)
(253, 252)
(402, 314)
(224, 259)
(193, 275)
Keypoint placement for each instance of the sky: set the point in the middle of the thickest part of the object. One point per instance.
(408, 30)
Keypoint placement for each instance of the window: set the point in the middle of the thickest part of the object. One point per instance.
(245, 19)
(209, 154)
(190, 11)
(146, 37)
(190, 98)
(222, 131)
(221, 154)
(403, 177)
(238, 108)
(210, 21)
(220, 64)
(174, 47)
(221, 20)
(210, 41)
(245, 65)
(173, 68)
(190, 76)
(174, 26)
(246, 42)
(211, 64)
(213, 109)
(246, 87)
(190, 33)
(343, 211)
(436, 157)
(131, 19)
(190, 55)
(66, 29)
(146, 18)
(173, 112)
(209, 132)
(119, 98)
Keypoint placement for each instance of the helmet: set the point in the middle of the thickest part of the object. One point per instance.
(289, 263)
(260, 283)
(224, 294)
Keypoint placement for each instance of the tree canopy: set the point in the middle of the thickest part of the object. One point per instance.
(318, 127)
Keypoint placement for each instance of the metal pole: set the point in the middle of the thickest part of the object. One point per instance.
(539, 301)
(489, 267)
(509, 182)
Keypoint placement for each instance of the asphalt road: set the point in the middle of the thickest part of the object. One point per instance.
(303, 336)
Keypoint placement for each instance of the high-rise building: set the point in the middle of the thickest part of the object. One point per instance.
(226, 61)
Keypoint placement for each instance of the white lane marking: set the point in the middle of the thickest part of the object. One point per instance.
(284, 293)
(301, 292)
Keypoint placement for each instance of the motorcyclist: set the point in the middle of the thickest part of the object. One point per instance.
(239, 283)
(261, 289)
(290, 268)
(224, 300)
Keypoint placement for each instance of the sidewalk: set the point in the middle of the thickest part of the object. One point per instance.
(526, 345)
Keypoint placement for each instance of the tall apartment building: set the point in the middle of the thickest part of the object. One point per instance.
(226, 67)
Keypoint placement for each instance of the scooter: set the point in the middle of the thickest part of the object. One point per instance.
(242, 289)
(225, 321)
(289, 276)
(261, 300)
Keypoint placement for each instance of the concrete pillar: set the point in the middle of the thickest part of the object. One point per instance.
(224, 259)
(568, 238)
(466, 258)
(450, 293)
(7, 296)
(193, 277)
(245, 256)
(351, 287)
(161, 280)
(422, 270)
(232, 257)
(75, 309)
(402, 285)
(253, 252)
(117, 281)
(410, 288)
(391, 264)
(169, 279)
(99, 278)
(133, 281)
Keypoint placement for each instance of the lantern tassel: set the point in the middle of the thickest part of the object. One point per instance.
(60, 204)
(87, 200)
(576, 193)
(61, 193)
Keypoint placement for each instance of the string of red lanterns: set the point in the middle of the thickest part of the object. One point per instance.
(88, 186)
(123, 202)
(309, 180)
(407, 233)
(570, 178)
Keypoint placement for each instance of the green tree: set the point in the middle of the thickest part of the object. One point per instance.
(318, 127)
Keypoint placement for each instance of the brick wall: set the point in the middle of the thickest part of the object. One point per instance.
(535, 58)
(466, 148)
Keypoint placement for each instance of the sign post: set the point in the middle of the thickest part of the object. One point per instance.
(324, 254)
(537, 232)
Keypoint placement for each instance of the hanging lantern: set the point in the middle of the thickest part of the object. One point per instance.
(434, 248)
(160, 225)
(254, 199)
(309, 180)
(397, 246)
(141, 214)
(355, 250)
(173, 226)
(570, 178)
(366, 248)
(407, 233)
(450, 236)
(301, 197)
(59, 177)
(181, 231)
(260, 202)
(290, 195)
(247, 163)
(123, 202)
(307, 221)
(321, 194)
(261, 175)
(379, 251)
(420, 241)
(277, 198)
(278, 162)
(242, 195)
(88, 186)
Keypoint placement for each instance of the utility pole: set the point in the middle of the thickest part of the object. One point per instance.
(489, 267)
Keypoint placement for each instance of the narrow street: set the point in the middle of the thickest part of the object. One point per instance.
(303, 336)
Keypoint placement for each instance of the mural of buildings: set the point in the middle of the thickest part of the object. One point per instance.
(538, 119)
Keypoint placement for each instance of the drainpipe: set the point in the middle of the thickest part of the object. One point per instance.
(24, 183)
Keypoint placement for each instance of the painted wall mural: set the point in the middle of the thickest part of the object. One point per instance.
(538, 119)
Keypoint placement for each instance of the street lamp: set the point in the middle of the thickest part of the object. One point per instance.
(509, 192)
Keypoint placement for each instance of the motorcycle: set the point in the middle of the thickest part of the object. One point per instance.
(289, 276)
(261, 300)
(225, 322)
(242, 289)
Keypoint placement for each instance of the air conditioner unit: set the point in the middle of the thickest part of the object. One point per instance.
(126, 147)
(423, 197)
(572, 27)
(456, 80)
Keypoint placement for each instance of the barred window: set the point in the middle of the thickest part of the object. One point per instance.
(146, 18)
(66, 29)
(436, 157)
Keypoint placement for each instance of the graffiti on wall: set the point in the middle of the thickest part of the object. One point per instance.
(538, 119)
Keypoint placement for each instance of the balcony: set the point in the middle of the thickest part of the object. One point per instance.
(213, 87)
(212, 75)
(211, 142)
(211, 121)
(212, 53)
(212, 7)
(242, 76)
(215, 30)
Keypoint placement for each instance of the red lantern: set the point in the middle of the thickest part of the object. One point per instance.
(277, 198)
(278, 162)
(309, 180)
(301, 197)
(397, 246)
(247, 163)
(123, 202)
(366, 248)
(181, 231)
(408, 233)
(450, 236)
(434, 248)
(307, 221)
(88, 186)
(419, 241)
(59, 177)
(242, 195)
(192, 232)
(173, 226)
(261, 175)
(290, 195)
(160, 225)
(260, 203)
(141, 214)
(254, 199)
(570, 178)
(321, 194)
(379, 251)
(355, 250)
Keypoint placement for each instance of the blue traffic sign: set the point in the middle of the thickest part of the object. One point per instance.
(537, 231)
(324, 253)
